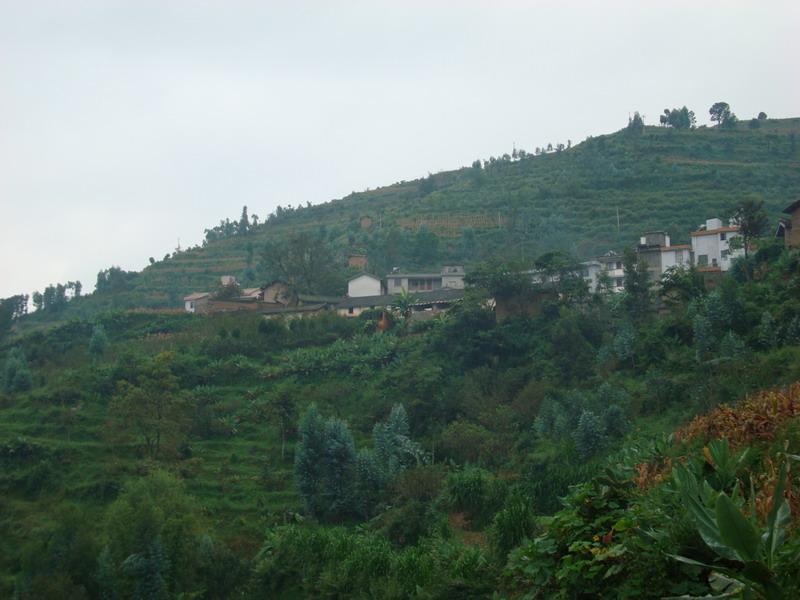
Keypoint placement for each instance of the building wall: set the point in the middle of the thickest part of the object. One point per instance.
(793, 235)
(673, 258)
(395, 284)
(364, 286)
(713, 247)
(455, 282)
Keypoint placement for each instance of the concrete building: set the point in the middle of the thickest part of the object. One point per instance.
(364, 285)
(658, 252)
(711, 245)
(611, 267)
(448, 278)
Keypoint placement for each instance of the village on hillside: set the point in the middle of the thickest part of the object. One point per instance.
(423, 295)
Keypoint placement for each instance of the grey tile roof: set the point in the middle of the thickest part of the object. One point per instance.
(418, 298)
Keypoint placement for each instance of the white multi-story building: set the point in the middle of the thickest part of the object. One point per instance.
(711, 245)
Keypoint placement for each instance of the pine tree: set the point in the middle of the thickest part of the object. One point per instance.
(767, 331)
(338, 469)
(98, 343)
(308, 459)
(244, 222)
(624, 342)
(588, 435)
(731, 346)
(703, 336)
(106, 576)
(16, 374)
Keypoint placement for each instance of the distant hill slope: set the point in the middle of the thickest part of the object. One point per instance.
(661, 179)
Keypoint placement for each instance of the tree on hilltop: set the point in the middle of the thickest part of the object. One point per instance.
(721, 113)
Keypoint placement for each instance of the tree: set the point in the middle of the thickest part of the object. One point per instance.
(282, 406)
(703, 336)
(588, 435)
(98, 343)
(752, 220)
(404, 303)
(426, 246)
(16, 374)
(308, 457)
(12, 308)
(635, 124)
(244, 222)
(721, 113)
(762, 116)
(338, 469)
(152, 406)
(625, 343)
(152, 530)
(636, 299)
(678, 118)
(468, 243)
(305, 261)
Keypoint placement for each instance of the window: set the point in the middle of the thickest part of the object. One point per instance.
(398, 282)
(619, 265)
(618, 282)
(723, 236)
(350, 310)
(702, 260)
(714, 262)
(421, 285)
(725, 254)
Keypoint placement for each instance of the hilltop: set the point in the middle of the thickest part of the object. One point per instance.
(588, 198)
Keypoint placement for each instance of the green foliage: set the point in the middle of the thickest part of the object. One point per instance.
(333, 562)
(98, 343)
(475, 492)
(16, 373)
(588, 434)
(745, 551)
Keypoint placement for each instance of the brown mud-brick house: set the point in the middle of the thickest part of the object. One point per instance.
(789, 228)
(357, 261)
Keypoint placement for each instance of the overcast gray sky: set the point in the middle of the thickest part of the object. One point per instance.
(126, 125)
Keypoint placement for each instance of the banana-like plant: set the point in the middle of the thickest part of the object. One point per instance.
(749, 553)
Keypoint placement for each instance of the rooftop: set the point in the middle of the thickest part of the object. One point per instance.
(196, 296)
(792, 207)
(713, 231)
(417, 299)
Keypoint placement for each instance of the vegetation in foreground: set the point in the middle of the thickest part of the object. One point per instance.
(148, 456)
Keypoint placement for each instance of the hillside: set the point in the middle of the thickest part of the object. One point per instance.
(662, 179)
(172, 455)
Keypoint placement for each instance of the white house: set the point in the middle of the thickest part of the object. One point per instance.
(610, 265)
(364, 285)
(710, 244)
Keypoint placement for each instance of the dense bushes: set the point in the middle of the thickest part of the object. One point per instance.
(334, 562)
